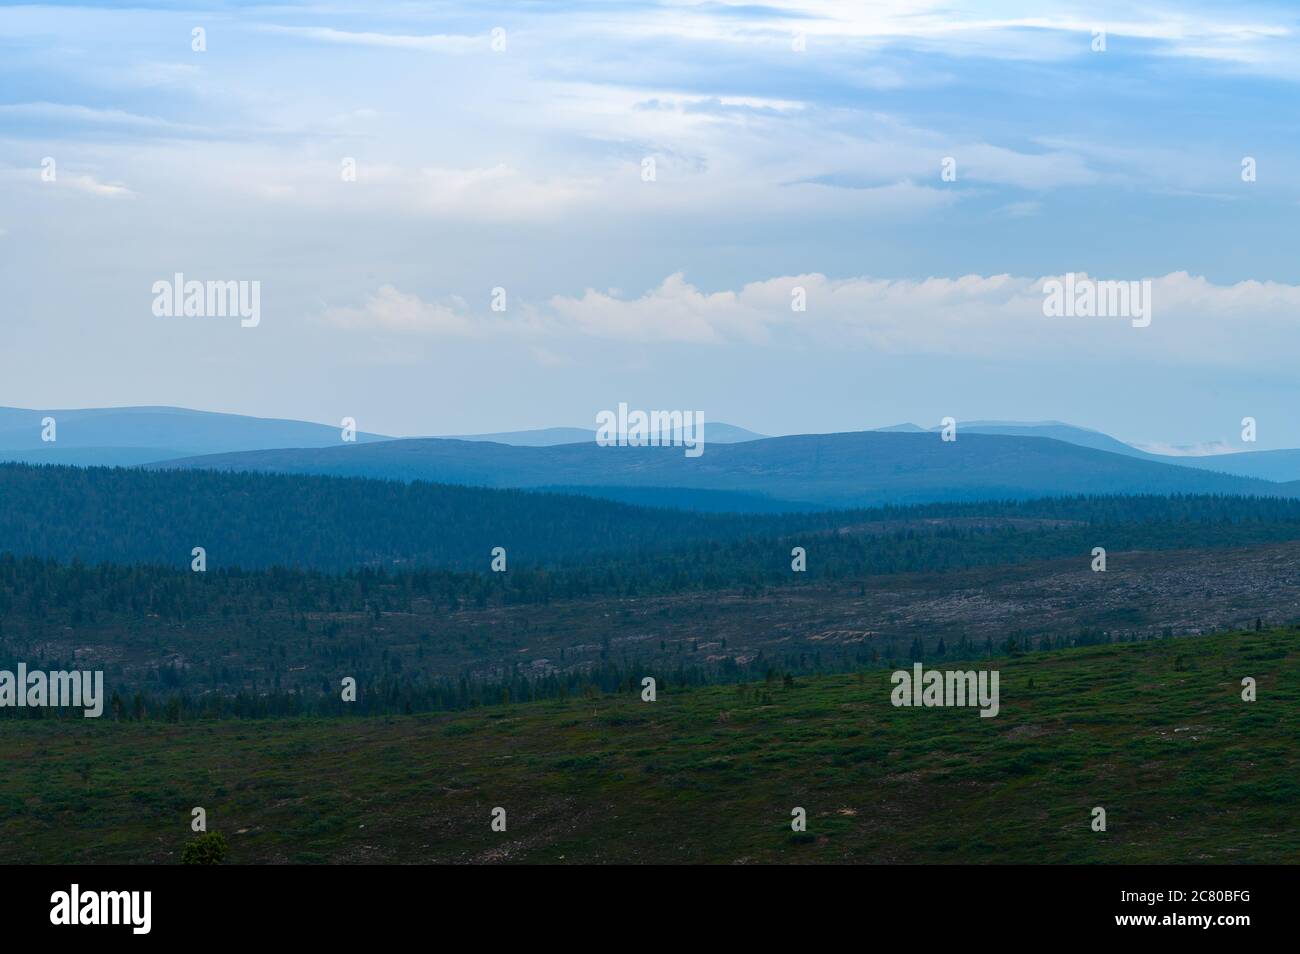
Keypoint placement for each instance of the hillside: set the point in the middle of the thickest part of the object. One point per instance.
(334, 523)
(840, 470)
(548, 436)
(135, 435)
(1055, 430)
(275, 642)
(132, 515)
(1274, 465)
(711, 774)
(129, 436)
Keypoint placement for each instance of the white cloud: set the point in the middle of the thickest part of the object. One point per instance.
(88, 183)
(71, 113)
(1026, 30)
(497, 193)
(996, 317)
(675, 311)
(81, 182)
(430, 43)
(493, 193)
(389, 310)
(1201, 449)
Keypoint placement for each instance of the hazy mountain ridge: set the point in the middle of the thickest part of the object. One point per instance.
(1277, 465)
(838, 470)
(714, 432)
(129, 436)
(133, 435)
(139, 436)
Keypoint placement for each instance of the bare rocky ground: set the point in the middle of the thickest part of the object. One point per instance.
(1141, 594)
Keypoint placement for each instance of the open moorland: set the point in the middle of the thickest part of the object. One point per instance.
(1156, 733)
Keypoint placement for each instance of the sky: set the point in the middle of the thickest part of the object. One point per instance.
(643, 191)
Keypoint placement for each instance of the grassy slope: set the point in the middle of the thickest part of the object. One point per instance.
(1156, 732)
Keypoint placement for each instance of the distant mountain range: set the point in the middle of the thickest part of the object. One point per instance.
(1276, 465)
(714, 433)
(124, 436)
(740, 470)
(820, 470)
(127, 436)
(1080, 436)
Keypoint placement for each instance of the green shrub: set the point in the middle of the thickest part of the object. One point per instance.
(207, 849)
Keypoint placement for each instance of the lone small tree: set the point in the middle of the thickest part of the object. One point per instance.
(207, 849)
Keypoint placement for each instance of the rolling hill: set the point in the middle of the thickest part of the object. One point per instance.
(137, 436)
(1275, 465)
(242, 519)
(838, 470)
(715, 432)
(125, 436)
(130, 436)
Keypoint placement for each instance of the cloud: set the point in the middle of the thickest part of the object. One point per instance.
(1022, 210)
(893, 315)
(496, 193)
(72, 114)
(81, 182)
(1049, 32)
(675, 311)
(430, 43)
(1201, 449)
(88, 183)
(543, 356)
(988, 317)
(389, 310)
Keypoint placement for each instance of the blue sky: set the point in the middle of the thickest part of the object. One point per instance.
(775, 168)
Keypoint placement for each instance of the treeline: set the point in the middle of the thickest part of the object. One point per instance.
(328, 523)
(393, 695)
(897, 542)
(79, 593)
(559, 545)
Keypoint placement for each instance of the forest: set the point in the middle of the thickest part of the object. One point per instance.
(131, 516)
(310, 579)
